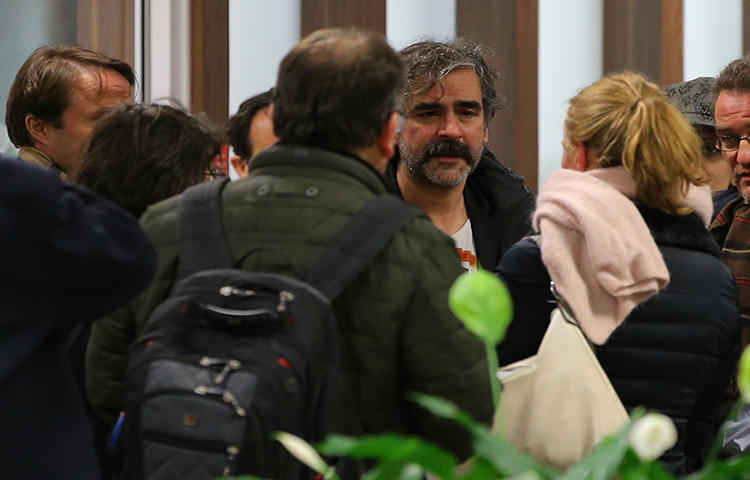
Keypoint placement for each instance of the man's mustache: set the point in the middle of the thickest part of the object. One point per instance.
(739, 170)
(447, 148)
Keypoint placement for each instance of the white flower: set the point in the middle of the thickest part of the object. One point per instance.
(302, 451)
(652, 435)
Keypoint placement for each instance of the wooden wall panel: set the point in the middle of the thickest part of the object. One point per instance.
(107, 26)
(644, 36)
(513, 35)
(363, 14)
(209, 58)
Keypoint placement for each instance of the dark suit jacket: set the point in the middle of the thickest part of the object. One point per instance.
(67, 256)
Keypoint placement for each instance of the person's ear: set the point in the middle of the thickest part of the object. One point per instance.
(38, 130)
(386, 141)
(486, 134)
(581, 157)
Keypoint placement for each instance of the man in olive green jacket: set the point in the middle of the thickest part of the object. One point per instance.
(334, 113)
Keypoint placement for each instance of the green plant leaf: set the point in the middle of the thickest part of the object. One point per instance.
(605, 459)
(503, 456)
(736, 468)
(480, 469)
(483, 304)
(443, 408)
(394, 451)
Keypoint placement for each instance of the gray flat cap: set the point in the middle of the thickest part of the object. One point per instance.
(695, 99)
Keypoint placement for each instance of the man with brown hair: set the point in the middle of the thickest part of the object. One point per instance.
(731, 228)
(443, 165)
(335, 111)
(56, 98)
(250, 130)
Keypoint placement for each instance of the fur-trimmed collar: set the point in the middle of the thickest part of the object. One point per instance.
(682, 231)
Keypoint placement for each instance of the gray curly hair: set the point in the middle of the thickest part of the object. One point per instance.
(427, 62)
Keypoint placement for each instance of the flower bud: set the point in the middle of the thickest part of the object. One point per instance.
(483, 304)
(652, 435)
(302, 451)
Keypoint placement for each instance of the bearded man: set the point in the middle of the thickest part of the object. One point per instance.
(442, 165)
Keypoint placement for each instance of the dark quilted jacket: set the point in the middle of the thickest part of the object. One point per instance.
(676, 353)
(399, 332)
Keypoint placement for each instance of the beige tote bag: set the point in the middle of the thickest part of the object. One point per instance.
(559, 403)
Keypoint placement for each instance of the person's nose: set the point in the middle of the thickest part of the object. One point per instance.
(743, 152)
(450, 127)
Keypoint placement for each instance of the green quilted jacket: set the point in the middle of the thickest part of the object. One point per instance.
(398, 330)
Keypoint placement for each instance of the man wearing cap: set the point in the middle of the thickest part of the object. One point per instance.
(695, 99)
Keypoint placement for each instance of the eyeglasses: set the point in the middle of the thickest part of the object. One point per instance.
(708, 147)
(730, 143)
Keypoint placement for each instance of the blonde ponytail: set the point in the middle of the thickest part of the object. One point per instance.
(625, 120)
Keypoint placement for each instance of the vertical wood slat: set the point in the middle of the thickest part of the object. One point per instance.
(644, 36)
(672, 54)
(364, 14)
(107, 26)
(209, 58)
(513, 35)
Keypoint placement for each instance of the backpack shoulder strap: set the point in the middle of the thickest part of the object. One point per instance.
(359, 242)
(203, 243)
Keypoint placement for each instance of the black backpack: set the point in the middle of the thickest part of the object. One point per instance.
(232, 356)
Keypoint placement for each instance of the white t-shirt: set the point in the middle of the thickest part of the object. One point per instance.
(464, 241)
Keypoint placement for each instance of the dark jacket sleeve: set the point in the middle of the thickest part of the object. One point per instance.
(98, 250)
(526, 277)
(441, 357)
(73, 256)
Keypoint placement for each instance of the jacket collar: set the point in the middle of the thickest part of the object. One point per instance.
(478, 206)
(324, 158)
(681, 231)
(32, 155)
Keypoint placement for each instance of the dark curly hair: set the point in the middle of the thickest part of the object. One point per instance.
(140, 154)
(735, 76)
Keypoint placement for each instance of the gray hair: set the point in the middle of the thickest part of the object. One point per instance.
(427, 62)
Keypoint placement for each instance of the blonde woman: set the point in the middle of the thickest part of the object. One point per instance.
(622, 233)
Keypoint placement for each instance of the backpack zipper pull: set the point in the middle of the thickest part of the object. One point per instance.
(232, 452)
(285, 297)
(209, 361)
(229, 398)
(228, 291)
(231, 365)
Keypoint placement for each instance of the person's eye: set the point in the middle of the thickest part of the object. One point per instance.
(469, 113)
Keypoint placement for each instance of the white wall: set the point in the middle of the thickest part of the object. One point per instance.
(712, 36)
(261, 32)
(570, 58)
(408, 21)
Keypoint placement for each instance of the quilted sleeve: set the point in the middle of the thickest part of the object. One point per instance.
(440, 357)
